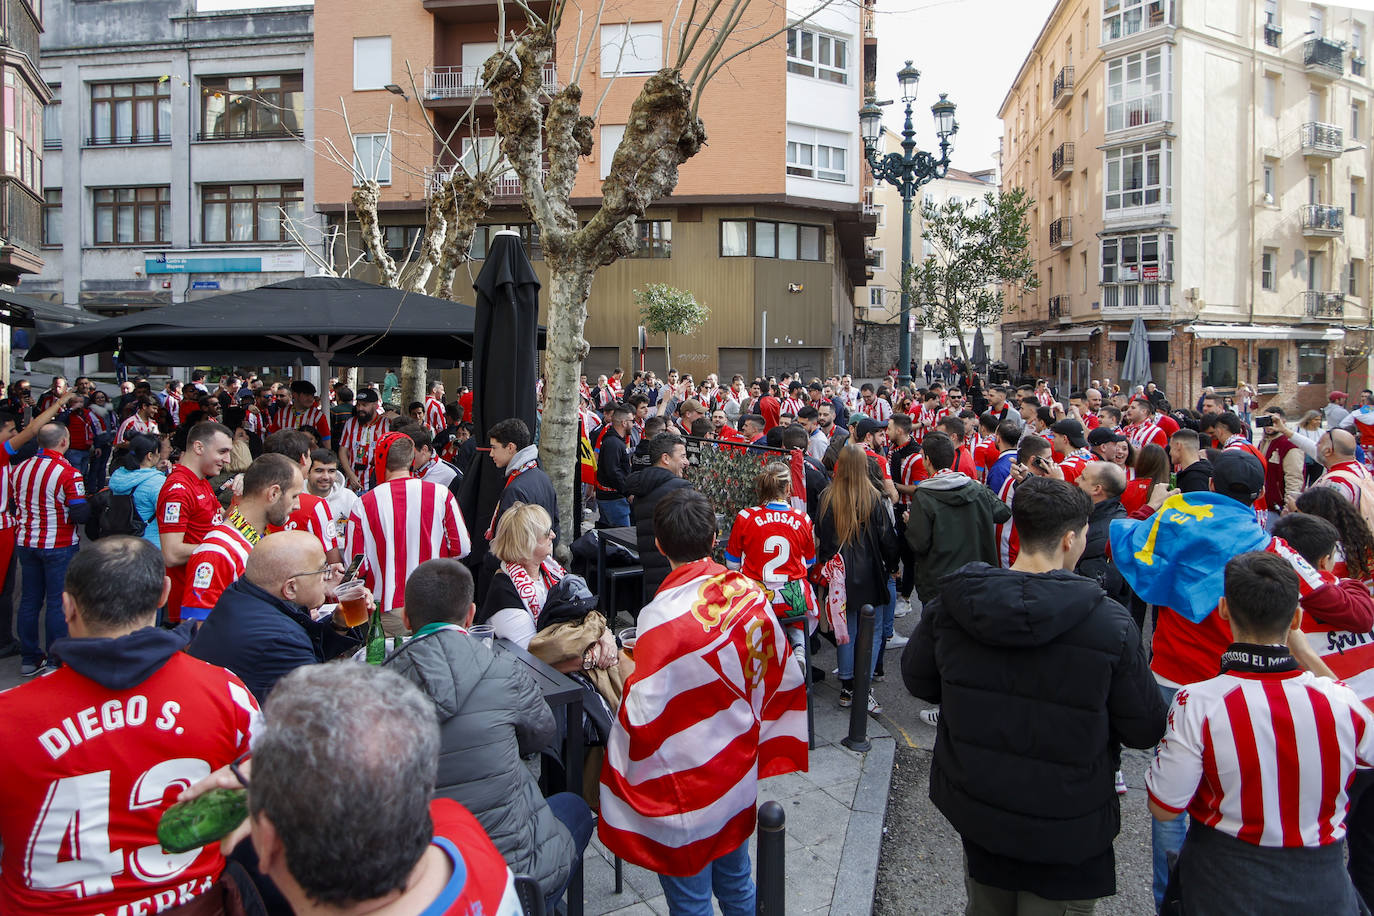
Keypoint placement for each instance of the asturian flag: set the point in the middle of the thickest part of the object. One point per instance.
(714, 705)
(1177, 557)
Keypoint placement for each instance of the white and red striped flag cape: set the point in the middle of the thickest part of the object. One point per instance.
(714, 705)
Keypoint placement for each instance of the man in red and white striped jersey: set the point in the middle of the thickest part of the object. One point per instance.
(311, 513)
(142, 420)
(1143, 425)
(1072, 444)
(359, 436)
(271, 486)
(50, 495)
(187, 507)
(434, 408)
(1345, 475)
(401, 523)
(870, 405)
(304, 410)
(1261, 756)
(171, 399)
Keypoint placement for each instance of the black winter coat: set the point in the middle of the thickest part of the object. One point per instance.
(1040, 677)
(647, 487)
(868, 561)
(612, 466)
(1095, 564)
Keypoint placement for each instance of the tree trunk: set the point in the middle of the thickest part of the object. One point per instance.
(569, 287)
(413, 371)
(667, 354)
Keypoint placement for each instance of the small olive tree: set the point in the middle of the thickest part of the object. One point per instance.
(666, 310)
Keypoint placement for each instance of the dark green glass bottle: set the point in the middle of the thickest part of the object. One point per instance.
(376, 638)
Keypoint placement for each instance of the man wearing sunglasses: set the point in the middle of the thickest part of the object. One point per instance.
(262, 627)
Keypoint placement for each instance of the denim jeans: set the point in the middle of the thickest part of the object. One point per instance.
(577, 817)
(845, 652)
(79, 459)
(615, 513)
(1165, 836)
(44, 571)
(729, 877)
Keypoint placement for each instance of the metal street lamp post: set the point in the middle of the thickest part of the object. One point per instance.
(907, 171)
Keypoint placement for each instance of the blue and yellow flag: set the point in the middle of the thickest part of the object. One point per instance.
(1177, 557)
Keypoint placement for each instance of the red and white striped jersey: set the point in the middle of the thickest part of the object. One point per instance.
(292, 418)
(927, 419)
(311, 514)
(44, 487)
(173, 405)
(772, 544)
(1347, 479)
(879, 410)
(792, 406)
(1264, 757)
(434, 414)
(7, 517)
(133, 426)
(253, 423)
(1008, 544)
(186, 505)
(1045, 397)
(400, 524)
(1073, 465)
(357, 440)
(1147, 433)
(216, 564)
(911, 470)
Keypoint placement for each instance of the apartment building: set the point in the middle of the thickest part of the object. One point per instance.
(765, 227)
(879, 301)
(1204, 166)
(175, 160)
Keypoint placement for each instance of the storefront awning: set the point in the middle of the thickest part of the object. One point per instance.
(1122, 336)
(1069, 335)
(1031, 342)
(1263, 332)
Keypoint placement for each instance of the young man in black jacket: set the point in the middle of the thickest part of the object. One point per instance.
(613, 468)
(1039, 674)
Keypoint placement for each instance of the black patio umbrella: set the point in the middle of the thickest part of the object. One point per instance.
(980, 351)
(332, 320)
(505, 365)
(23, 311)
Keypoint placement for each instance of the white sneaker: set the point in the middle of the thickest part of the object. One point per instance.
(931, 716)
(874, 707)
(1120, 783)
(896, 642)
(903, 607)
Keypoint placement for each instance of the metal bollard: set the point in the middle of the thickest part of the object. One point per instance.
(771, 895)
(863, 676)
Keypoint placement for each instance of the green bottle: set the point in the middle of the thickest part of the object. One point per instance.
(202, 820)
(376, 638)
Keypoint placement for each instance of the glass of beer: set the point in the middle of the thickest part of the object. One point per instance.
(352, 597)
(627, 642)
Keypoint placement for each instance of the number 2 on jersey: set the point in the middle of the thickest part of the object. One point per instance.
(783, 552)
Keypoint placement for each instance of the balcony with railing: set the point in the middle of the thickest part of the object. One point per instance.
(1323, 222)
(1273, 34)
(1061, 233)
(1057, 306)
(506, 187)
(445, 85)
(1063, 87)
(1061, 161)
(1153, 297)
(1324, 58)
(1356, 65)
(1326, 141)
(1321, 304)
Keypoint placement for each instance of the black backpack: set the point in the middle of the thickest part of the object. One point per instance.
(114, 513)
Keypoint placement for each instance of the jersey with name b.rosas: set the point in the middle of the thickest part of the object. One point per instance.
(88, 772)
(772, 543)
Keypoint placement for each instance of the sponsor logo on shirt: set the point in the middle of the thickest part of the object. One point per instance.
(172, 514)
(204, 573)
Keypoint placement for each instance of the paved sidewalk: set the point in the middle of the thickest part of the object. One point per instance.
(834, 826)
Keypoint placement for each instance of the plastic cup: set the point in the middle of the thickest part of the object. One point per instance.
(352, 597)
(627, 641)
(483, 631)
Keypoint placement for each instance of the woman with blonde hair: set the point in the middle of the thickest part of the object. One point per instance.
(857, 554)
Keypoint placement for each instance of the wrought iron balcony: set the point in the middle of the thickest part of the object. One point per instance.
(1322, 304)
(1056, 306)
(1322, 221)
(442, 83)
(1063, 87)
(1273, 34)
(1323, 140)
(1061, 161)
(1061, 232)
(1324, 58)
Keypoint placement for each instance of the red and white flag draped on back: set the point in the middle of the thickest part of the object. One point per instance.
(714, 705)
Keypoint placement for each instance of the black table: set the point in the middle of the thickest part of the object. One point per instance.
(627, 538)
(560, 692)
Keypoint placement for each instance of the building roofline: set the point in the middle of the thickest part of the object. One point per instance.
(1034, 50)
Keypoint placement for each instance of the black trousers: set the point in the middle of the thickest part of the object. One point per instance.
(908, 578)
(1359, 837)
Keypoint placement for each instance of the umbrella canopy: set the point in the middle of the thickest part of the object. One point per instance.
(505, 364)
(335, 320)
(1135, 368)
(24, 311)
(980, 350)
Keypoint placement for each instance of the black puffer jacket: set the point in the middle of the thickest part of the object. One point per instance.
(1040, 676)
(1095, 564)
(646, 488)
(490, 713)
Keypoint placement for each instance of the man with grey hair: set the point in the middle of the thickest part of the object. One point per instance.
(341, 808)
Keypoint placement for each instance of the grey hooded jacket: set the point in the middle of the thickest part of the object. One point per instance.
(490, 714)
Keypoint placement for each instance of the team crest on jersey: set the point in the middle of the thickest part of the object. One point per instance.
(172, 514)
(204, 573)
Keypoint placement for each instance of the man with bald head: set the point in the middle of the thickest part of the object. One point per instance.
(261, 628)
(1336, 452)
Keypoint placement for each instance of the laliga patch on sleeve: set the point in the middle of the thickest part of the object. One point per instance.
(80, 487)
(204, 573)
(172, 514)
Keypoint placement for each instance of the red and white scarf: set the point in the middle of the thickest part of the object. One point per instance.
(549, 571)
(836, 597)
(511, 474)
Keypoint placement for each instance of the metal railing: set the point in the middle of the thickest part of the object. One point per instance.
(1061, 231)
(1324, 55)
(1323, 218)
(266, 133)
(1273, 34)
(1056, 306)
(1323, 139)
(1061, 159)
(1063, 85)
(506, 186)
(466, 82)
(1322, 304)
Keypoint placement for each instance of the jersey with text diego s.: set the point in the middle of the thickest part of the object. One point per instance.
(88, 771)
(773, 544)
